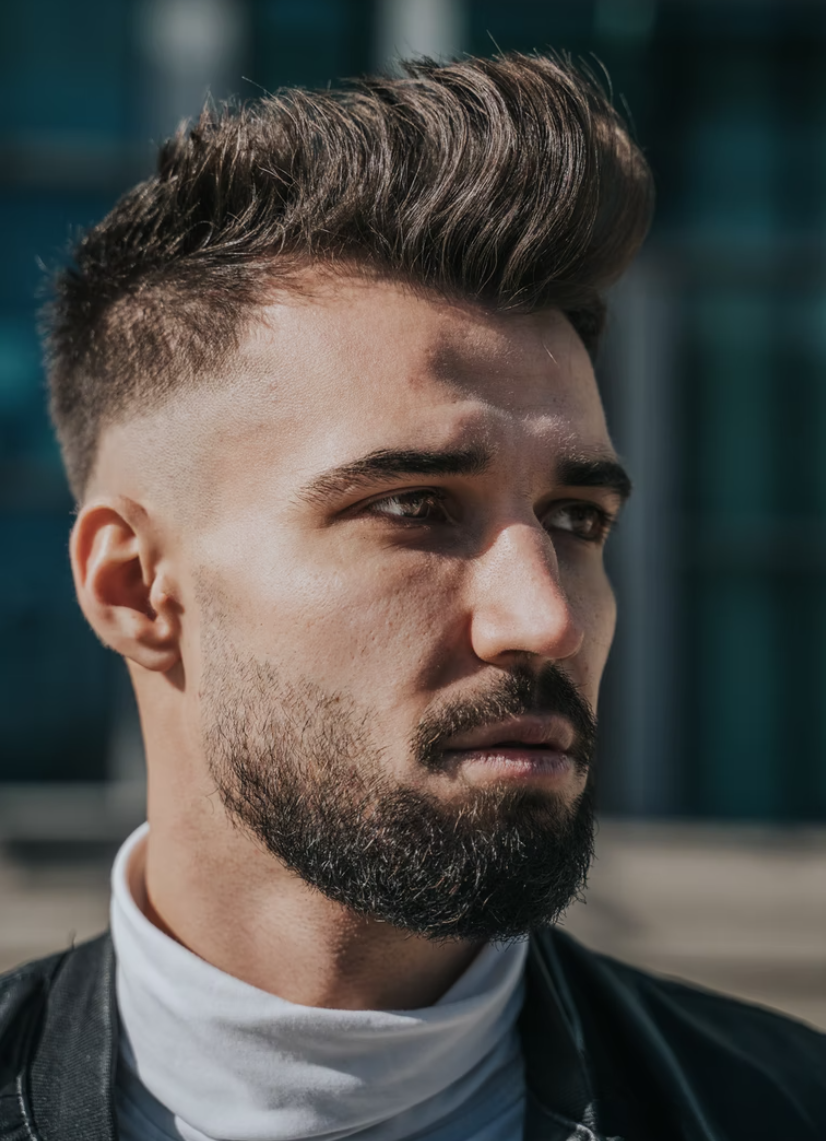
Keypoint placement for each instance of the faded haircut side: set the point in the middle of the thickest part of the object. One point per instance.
(509, 182)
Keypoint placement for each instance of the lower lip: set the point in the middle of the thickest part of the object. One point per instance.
(515, 763)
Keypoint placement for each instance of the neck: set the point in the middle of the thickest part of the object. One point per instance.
(213, 888)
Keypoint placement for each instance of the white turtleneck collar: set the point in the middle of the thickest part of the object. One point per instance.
(207, 1057)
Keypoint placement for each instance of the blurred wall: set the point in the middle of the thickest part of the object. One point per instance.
(713, 371)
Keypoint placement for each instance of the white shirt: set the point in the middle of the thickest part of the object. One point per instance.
(206, 1057)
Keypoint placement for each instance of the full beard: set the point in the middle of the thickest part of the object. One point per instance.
(297, 768)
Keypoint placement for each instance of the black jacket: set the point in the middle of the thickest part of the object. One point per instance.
(610, 1052)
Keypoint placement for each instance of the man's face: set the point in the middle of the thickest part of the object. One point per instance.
(403, 612)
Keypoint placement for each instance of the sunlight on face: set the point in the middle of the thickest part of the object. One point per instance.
(385, 530)
(403, 500)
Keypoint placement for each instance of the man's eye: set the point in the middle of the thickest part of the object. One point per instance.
(418, 506)
(584, 520)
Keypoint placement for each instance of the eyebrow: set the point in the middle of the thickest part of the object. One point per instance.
(604, 473)
(389, 464)
(385, 463)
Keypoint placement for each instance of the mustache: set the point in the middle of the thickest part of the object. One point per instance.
(518, 693)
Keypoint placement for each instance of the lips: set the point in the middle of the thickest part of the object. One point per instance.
(547, 733)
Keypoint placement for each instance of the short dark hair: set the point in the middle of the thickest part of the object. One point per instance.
(511, 182)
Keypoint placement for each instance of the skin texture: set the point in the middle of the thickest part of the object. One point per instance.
(199, 514)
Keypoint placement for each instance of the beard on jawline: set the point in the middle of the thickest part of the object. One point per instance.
(298, 769)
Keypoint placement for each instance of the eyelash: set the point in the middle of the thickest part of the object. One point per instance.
(603, 519)
(434, 496)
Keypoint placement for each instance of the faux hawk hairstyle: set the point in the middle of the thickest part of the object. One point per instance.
(509, 182)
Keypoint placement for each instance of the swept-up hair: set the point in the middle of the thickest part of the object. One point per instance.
(509, 182)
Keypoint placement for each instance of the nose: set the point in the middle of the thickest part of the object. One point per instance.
(520, 606)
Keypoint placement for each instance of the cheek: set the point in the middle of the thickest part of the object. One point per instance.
(378, 623)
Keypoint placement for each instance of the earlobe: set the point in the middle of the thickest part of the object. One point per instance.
(119, 587)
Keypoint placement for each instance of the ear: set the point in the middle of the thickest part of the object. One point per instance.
(116, 561)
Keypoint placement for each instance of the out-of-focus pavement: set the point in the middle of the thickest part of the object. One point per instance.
(737, 909)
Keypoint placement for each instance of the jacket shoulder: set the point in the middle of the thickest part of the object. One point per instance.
(55, 1043)
(715, 1049)
(21, 975)
(712, 1011)
(24, 991)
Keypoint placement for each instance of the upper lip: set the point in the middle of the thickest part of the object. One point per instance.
(552, 732)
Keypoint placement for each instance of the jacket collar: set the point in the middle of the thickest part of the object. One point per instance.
(71, 1086)
(561, 1102)
(71, 1080)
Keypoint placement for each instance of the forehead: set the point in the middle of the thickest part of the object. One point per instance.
(363, 358)
(355, 366)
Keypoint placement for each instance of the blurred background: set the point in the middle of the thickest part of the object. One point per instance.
(713, 766)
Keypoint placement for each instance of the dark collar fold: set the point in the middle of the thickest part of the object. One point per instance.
(560, 1105)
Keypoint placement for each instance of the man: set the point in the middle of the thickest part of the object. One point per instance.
(325, 396)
